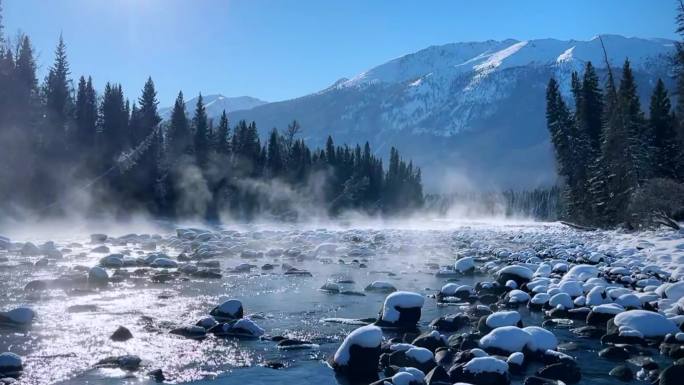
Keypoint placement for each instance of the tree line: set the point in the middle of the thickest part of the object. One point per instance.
(608, 151)
(118, 155)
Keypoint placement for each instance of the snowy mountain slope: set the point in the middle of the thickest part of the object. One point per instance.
(475, 110)
(215, 104)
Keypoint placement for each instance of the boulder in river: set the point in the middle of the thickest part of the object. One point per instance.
(359, 354)
(519, 274)
(381, 287)
(450, 322)
(401, 309)
(622, 373)
(125, 362)
(481, 371)
(121, 334)
(21, 316)
(228, 310)
(10, 365)
(567, 372)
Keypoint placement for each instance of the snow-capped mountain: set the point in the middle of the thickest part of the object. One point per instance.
(215, 104)
(467, 113)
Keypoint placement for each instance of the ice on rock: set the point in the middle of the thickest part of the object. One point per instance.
(649, 324)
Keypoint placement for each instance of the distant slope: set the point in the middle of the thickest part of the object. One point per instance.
(215, 105)
(470, 114)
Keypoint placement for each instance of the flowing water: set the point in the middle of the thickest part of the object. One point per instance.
(74, 321)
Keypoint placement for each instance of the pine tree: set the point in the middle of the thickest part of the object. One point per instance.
(666, 149)
(113, 127)
(58, 102)
(179, 136)
(86, 116)
(274, 156)
(591, 109)
(222, 137)
(201, 133)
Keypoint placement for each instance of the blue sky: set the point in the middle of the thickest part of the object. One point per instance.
(279, 49)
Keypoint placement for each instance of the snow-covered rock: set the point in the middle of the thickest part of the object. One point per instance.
(503, 318)
(649, 324)
(401, 309)
(518, 274)
(541, 339)
(359, 353)
(465, 265)
(506, 340)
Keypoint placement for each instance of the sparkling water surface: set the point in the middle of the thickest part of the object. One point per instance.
(73, 325)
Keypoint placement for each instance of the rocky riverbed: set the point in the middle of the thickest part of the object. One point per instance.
(478, 303)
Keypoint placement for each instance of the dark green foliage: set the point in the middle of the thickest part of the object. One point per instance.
(607, 149)
(201, 133)
(60, 143)
(666, 147)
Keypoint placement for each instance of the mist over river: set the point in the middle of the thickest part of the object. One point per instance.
(74, 318)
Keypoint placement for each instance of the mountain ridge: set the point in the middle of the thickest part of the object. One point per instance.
(471, 109)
